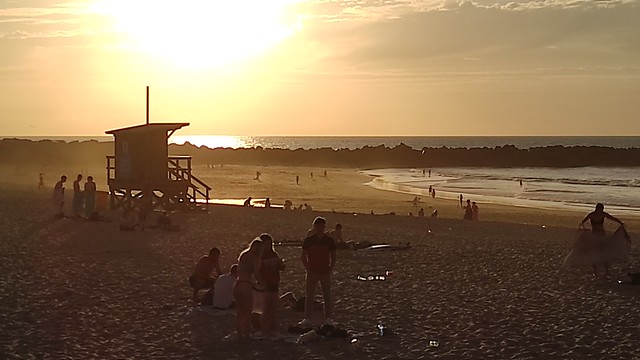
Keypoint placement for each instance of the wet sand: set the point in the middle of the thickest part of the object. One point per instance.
(488, 289)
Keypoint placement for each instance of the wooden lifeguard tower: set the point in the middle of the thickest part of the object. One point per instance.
(141, 174)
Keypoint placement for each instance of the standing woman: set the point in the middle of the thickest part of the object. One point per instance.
(89, 197)
(601, 245)
(248, 267)
(270, 269)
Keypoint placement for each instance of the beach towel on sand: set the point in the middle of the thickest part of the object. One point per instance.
(591, 249)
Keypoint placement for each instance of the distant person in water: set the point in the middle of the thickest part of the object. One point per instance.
(247, 202)
(297, 179)
(249, 263)
(319, 259)
(41, 181)
(461, 204)
(201, 277)
(468, 211)
(89, 196)
(475, 211)
(77, 197)
(58, 196)
(430, 189)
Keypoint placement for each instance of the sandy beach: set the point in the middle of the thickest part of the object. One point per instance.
(489, 289)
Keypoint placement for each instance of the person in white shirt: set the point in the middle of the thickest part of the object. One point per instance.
(223, 289)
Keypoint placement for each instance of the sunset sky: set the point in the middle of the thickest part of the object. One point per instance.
(321, 67)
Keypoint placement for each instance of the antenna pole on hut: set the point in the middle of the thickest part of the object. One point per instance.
(147, 105)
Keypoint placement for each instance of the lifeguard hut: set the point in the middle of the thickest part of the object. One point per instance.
(141, 174)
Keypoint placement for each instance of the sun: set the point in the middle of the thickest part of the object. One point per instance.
(201, 33)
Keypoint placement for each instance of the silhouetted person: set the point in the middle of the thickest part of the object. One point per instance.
(247, 202)
(319, 259)
(258, 176)
(421, 212)
(468, 211)
(58, 196)
(429, 172)
(223, 289)
(325, 174)
(433, 193)
(312, 175)
(89, 196)
(461, 200)
(430, 189)
(77, 197)
(267, 203)
(520, 182)
(288, 205)
(297, 179)
(201, 277)
(41, 181)
(475, 211)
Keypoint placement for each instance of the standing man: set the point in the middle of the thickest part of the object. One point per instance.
(89, 197)
(77, 197)
(319, 259)
(58, 197)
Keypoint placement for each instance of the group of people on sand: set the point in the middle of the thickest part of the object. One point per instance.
(255, 280)
(84, 197)
(471, 210)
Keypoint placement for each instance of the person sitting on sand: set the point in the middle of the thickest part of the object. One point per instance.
(421, 212)
(336, 235)
(201, 277)
(249, 263)
(247, 202)
(58, 197)
(288, 205)
(129, 221)
(223, 289)
(307, 207)
(319, 259)
(468, 211)
(270, 270)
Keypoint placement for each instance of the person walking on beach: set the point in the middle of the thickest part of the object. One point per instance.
(270, 270)
(58, 196)
(77, 197)
(41, 181)
(201, 277)
(249, 263)
(319, 259)
(461, 201)
(433, 193)
(475, 210)
(468, 211)
(595, 247)
(89, 197)
(297, 179)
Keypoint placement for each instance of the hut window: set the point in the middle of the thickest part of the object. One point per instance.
(125, 147)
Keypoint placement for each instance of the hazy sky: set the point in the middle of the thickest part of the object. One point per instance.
(322, 67)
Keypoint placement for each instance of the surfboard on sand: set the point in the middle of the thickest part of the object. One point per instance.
(386, 247)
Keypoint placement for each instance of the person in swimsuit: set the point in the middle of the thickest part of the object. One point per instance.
(249, 263)
(596, 218)
(269, 271)
(201, 277)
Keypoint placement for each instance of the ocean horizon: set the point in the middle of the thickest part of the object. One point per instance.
(355, 142)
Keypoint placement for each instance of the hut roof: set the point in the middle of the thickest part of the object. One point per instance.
(148, 127)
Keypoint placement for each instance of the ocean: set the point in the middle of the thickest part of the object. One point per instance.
(572, 188)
